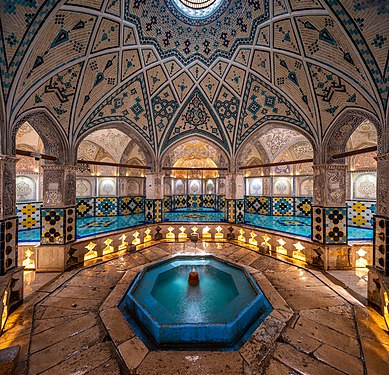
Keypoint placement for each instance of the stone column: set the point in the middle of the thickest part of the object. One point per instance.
(381, 219)
(8, 218)
(235, 197)
(58, 217)
(329, 211)
(154, 198)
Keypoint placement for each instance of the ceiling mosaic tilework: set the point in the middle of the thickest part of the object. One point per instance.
(145, 65)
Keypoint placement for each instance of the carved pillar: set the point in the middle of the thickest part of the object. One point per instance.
(58, 216)
(329, 211)
(8, 218)
(381, 219)
(235, 197)
(154, 198)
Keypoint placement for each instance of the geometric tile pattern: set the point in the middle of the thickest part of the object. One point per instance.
(158, 211)
(303, 206)
(209, 201)
(149, 211)
(194, 202)
(106, 206)
(381, 244)
(8, 244)
(231, 210)
(221, 203)
(70, 224)
(336, 225)
(179, 201)
(258, 205)
(318, 224)
(29, 215)
(239, 211)
(52, 226)
(167, 203)
(130, 205)
(283, 206)
(85, 207)
(361, 214)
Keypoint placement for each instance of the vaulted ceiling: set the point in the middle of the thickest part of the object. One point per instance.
(146, 65)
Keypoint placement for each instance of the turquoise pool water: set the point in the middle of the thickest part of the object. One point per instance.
(219, 310)
(296, 225)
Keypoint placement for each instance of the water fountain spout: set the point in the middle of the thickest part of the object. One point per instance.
(193, 279)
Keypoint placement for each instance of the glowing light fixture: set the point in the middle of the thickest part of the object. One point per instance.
(241, 236)
(136, 240)
(281, 249)
(298, 254)
(28, 263)
(205, 233)
(182, 235)
(147, 237)
(219, 235)
(170, 235)
(124, 244)
(91, 253)
(108, 249)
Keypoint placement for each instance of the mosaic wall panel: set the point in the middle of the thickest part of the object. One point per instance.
(179, 201)
(361, 214)
(303, 206)
(52, 226)
(231, 210)
(29, 215)
(318, 224)
(209, 201)
(258, 205)
(282, 206)
(336, 225)
(221, 203)
(85, 207)
(8, 244)
(130, 205)
(149, 211)
(106, 206)
(167, 203)
(239, 211)
(381, 244)
(194, 202)
(158, 211)
(70, 224)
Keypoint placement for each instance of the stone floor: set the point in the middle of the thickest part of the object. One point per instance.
(60, 332)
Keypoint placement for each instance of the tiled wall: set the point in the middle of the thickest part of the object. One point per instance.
(29, 215)
(279, 206)
(102, 206)
(193, 202)
(361, 213)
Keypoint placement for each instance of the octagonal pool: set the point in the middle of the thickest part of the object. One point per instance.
(221, 311)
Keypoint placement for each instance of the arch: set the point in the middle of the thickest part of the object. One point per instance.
(269, 125)
(221, 163)
(51, 133)
(126, 129)
(339, 132)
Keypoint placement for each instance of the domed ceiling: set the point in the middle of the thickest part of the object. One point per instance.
(220, 69)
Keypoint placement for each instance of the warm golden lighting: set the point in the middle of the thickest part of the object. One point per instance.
(182, 235)
(219, 235)
(386, 311)
(281, 249)
(147, 237)
(265, 242)
(361, 262)
(124, 244)
(5, 310)
(252, 240)
(91, 253)
(136, 240)
(205, 233)
(194, 230)
(170, 235)
(241, 237)
(108, 249)
(28, 263)
(298, 254)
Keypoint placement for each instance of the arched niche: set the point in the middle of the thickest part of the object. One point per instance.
(135, 139)
(50, 132)
(339, 132)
